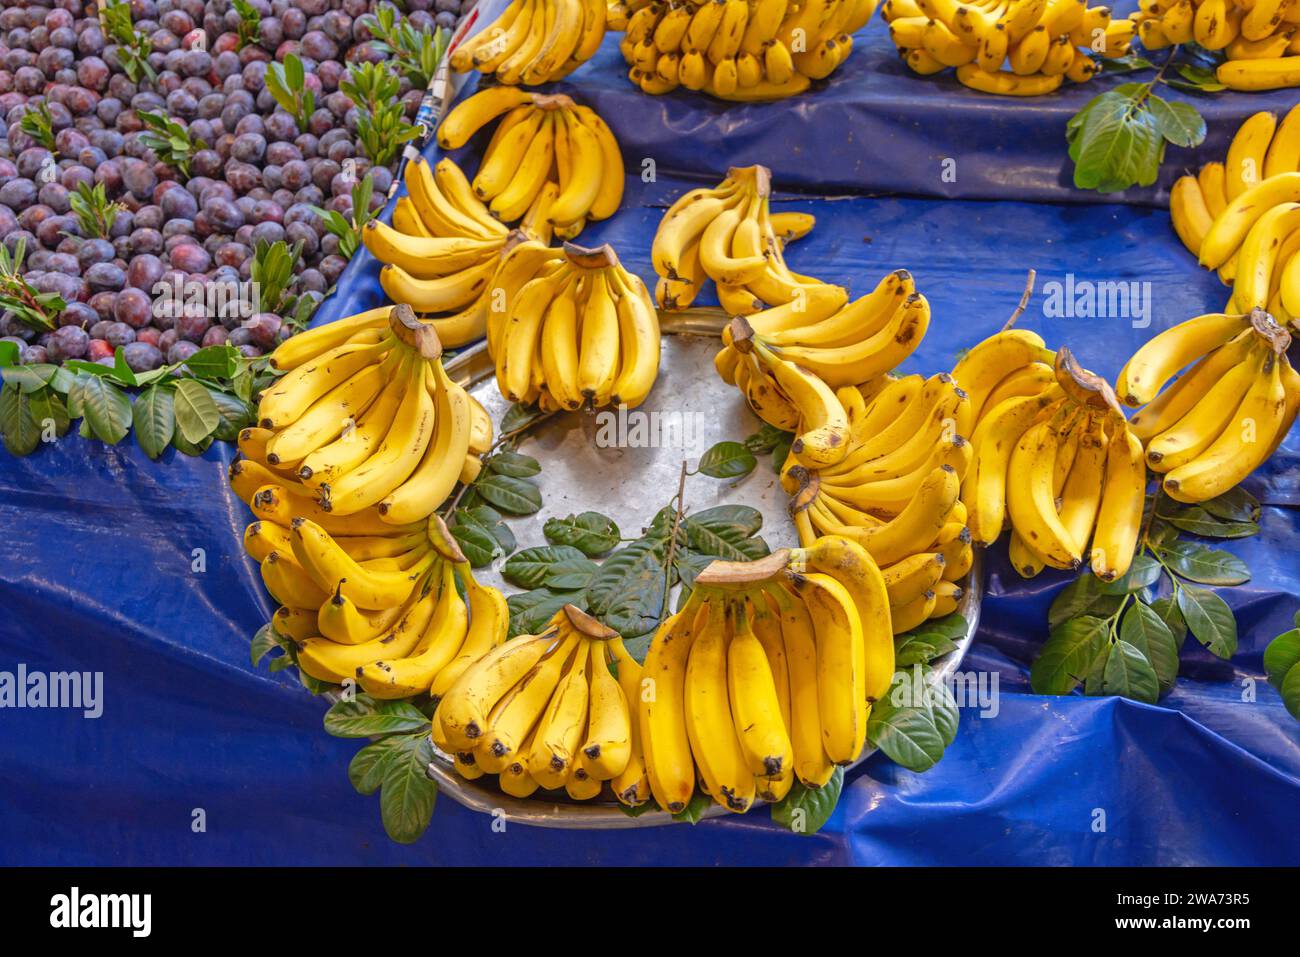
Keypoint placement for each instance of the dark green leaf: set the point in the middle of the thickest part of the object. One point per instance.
(929, 641)
(531, 610)
(1291, 692)
(725, 532)
(8, 355)
(512, 495)
(48, 408)
(1167, 609)
(1177, 121)
(1083, 596)
(572, 574)
(519, 417)
(1144, 571)
(513, 463)
(263, 642)
(1209, 566)
(28, 378)
(1069, 651)
(154, 420)
(197, 416)
(1282, 655)
(628, 592)
(528, 568)
(902, 725)
(479, 545)
(727, 460)
(1197, 79)
(367, 767)
(590, 532)
(106, 408)
(1129, 674)
(1146, 631)
(406, 802)
(1209, 619)
(213, 362)
(694, 810)
(767, 438)
(366, 717)
(1234, 505)
(1118, 144)
(18, 427)
(1200, 522)
(806, 810)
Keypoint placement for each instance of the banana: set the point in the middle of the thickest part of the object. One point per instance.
(288, 584)
(610, 194)
(317, 343)
(913, 576)
(1081, 493)
(631, 785)
(1025, 562)
(1156, 362)
(1245, 162)
(987, 363)
(444, 294)
(457, 213)
(712, 734)
(1119, 520)
(914, 613)
(513, 201)
(328, 417)
(755, 705)
(333, 569)
(1211, 180)
(607, 747)
(284, 402)
(560, 730)
(433, 479)
(811, 765)
(1230, 226)
(1191, 217)
(1169, 407)
(463, 710)
(1026, 57)
(598, 352)
(296, 623)
(1241, 447)
(1283, 155)
(1031, 496)
(1257, 258)
(841, 665)
(1008, 84)
(685, 221)
(425, 257)
(340, 620)
(1206, 420)
(662, 710)
(262, 538)
(328, 661)
(638, 338)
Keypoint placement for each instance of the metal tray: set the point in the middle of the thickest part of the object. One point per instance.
(630, 485)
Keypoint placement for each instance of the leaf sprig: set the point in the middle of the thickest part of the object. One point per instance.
(1282, 665)
(416, 53)
(36, 309)
(95, 213)
(287, 83)
(134, 46)
(38, 123)
(170, 140)
(349, 232)
(249, 30)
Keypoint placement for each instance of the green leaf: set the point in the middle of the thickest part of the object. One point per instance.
(806, 810)
(1209, 619)
(929, 641)
(197, 416)
(694, 810)
(27, 378)
(1281, 656)
(1129, 674)
(18, 427)
(1085, 595)
(903, 727)
(1144, 571)
(1291, 692)
(1198, 521)
(528, 568)
(263, 643)
(572, 574)
(1146, 631)
(531, 610)
(236, 414)
(943, 708)
(1200, 563)
(727, 460)
(726, 532)
(214, 362)
(1177, 121)
(8, 356)
(106, 408)
(47, 407)
(1118, 144)
(366, 717)
(519, 417)
(368, 766)
(1197, 79)
(628, 592)
(1234, 505)
(154, 420)
(766, 439)
(1069, 650)
(510, 494)
(1167, 609)
(406, 802)
(479, 545)
(591, 533)
(513, 463)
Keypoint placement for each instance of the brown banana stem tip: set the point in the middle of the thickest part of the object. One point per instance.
(1270, 330)
(598, 258)
(742, 573)
(411, 331)
(443, 542)
(587, 625)
(552, 101)
(809, 486)
(1085, 388)
(742, 335)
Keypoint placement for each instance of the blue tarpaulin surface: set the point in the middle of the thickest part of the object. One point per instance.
(115, 564)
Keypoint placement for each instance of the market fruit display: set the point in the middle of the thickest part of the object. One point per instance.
(534, 41)
(545, 711)
(253, 174)
(766, 675)
(443, 250)
(1016, 48)
(1257, 39)
(728, 234)
(545, 150)
(581, 333)
(364, 430)
(1241, 217)
(1058, 461)
(737, 49)
(1225, 415)
(790, 360)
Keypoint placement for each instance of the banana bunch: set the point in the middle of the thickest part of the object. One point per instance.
(728, 234)
(1054, 456)
(745, 50)
(582, 332)
(549, 158)
(1222, 417)
(383, 610)
(441, 253)
(1254, 247)
(1040, 43)
(364, 430)
(896, 491)
(1257, 37)
(534, 41)
(799, 363)
(766, 674)
(545, 711)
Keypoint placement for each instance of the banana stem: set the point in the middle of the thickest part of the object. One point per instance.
(1024, 301)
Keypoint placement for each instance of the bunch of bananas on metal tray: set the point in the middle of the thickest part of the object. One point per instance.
(1007, 47)
(545, 711)
(766, 675)
(1257, 37)
(737, 49)
(729, 234)
(895, 492)
(583, 332)
(1054, 455)
(789, 361)
(365, 433)
(534, 41)
(442, 251)
(400, 614)
(1225, 415)
(1242, 216)
(549, 158)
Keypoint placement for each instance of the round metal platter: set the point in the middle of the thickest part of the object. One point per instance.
(598, 462)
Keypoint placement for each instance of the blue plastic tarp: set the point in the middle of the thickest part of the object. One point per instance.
(112, 563)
